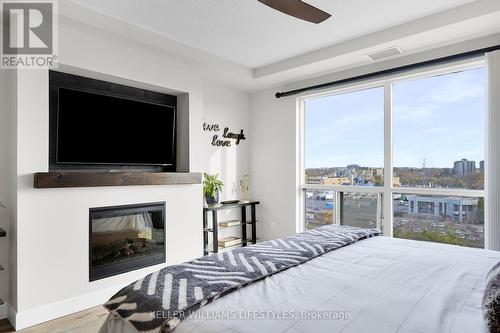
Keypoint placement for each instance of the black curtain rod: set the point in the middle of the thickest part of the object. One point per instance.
(454, 57)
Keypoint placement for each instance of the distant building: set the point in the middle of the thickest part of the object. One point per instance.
(464, 168)
(336, 181)
(331, 181)
(396, 182)
(456, 207)
(361, 181)
(481, 166)
(313, 180)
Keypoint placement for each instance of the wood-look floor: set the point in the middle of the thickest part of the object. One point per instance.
(88, 321)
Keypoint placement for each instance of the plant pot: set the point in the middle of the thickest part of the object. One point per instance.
(211, 200)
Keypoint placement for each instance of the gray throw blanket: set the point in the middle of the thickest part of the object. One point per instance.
(491, 299)
(162, 299)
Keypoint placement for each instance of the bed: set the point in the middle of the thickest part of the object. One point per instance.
(378, 284)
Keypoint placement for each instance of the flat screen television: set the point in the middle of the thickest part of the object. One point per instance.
(99, 128)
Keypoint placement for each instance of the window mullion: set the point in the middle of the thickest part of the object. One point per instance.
(388, 170)
(380, 214)
(339, 208)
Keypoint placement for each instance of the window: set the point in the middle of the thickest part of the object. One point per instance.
(433, 151)
(438, 131)
(344, 139)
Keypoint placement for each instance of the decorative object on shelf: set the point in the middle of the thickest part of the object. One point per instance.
(245, 188)
(226, 135)
(212, 185)
(228, 202)
(242, 223)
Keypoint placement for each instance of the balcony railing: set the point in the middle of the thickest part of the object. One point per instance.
(442, 216)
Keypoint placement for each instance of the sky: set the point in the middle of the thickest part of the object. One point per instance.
(439, 119)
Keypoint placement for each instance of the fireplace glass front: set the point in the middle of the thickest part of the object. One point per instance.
(125, 238)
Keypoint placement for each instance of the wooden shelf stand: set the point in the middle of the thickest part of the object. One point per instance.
(214, 229)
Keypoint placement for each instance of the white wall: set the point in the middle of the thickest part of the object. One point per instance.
(273, 162)
(4, 221)
(232, 110)
(226, 108)
(7, 178)
(51, 255)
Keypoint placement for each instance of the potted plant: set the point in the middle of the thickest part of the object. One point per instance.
(212, 185)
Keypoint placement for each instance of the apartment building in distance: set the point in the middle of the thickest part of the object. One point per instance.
(464, 168)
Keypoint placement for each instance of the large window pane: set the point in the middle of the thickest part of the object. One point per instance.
(452, 220)
(320, 209)
(438, 131)
(359, 210)
(344, 139)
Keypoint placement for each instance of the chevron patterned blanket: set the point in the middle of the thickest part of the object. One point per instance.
(159, 301)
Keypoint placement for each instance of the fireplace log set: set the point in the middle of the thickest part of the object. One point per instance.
(122, 248)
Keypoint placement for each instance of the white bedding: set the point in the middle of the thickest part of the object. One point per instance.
(385, 284)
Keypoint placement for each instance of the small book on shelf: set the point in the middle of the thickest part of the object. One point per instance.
(229, 223)
(229, 241)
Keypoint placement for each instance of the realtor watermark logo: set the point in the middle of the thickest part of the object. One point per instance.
(29, 34)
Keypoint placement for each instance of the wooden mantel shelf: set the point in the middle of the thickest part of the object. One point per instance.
(95, 179)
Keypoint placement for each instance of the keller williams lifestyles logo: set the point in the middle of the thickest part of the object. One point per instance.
(29, 34)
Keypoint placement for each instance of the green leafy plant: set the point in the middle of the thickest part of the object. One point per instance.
(212, 184)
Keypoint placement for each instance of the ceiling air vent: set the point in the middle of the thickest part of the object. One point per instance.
(393, 51)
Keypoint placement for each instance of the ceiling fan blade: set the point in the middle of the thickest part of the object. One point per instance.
(298, 9)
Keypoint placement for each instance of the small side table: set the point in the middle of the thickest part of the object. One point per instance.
(243, 222)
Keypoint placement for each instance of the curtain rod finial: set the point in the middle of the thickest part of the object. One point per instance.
(278, 95)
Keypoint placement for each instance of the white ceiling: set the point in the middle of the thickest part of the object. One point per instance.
(248, 46)
(251, 34)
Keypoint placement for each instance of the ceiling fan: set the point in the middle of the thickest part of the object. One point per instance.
(298, 9)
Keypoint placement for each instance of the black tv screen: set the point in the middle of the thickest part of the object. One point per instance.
(101, 129)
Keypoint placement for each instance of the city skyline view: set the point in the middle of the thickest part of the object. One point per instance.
(462, 174)
(439, 119)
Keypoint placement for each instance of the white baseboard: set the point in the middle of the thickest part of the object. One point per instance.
(3, 311)
(11, 315)
(31, 317)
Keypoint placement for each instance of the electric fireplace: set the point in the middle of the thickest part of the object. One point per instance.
(125, 238)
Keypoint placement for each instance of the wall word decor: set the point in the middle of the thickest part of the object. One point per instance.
(225, 141)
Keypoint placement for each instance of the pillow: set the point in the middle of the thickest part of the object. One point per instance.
(491, 299)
